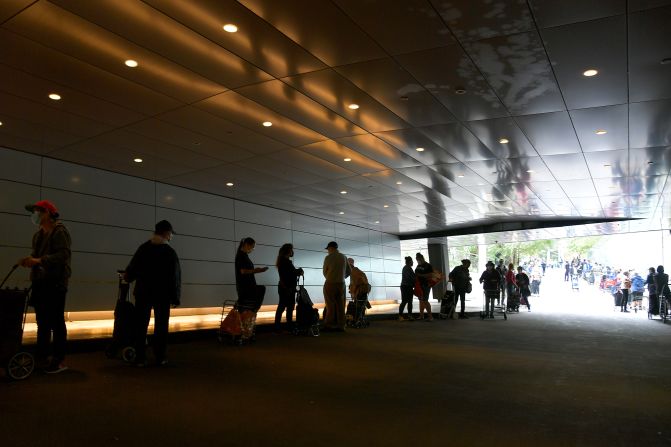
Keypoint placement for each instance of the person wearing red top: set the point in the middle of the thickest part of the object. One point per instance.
(510, 280)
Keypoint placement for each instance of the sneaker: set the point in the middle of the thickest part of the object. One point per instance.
(163, 362)
(400, 318)
(56, 368)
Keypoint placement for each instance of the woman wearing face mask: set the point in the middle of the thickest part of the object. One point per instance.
(250, 295)
(156, 271)
(287, 286)
(50, 272)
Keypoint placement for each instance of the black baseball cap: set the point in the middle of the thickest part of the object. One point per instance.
(163, 226)
(333, 244)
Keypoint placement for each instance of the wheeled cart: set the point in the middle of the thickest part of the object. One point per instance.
(123, 340)
(492, 295)
(447, 305)
(18, 363)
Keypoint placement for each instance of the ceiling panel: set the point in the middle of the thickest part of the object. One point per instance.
(256, 41)
(492, 133)
(43, 62)
(459, 173)
(649, 123)
(482, 19)
(650, 161)
(326, 31)
(421, 25)
(376, 149)
(410, 140)
(337, 153)
(550, 133)
(608, 163)
(9, 8)
(336, 92)
(549, 13)
(314, 165)
(517, 68)
(153, 30)
(61, 30)
(649, 34)
(599, 44)
(449, 75)
(396, 89)
(567, 166)
(234, 107)
(283, 99)
(612, 119)
(209, 125)
(458, 141)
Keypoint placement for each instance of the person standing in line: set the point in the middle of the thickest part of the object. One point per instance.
(461, 281)
(502, 270)
(50, 271)
(510, 283)
(543, 267)
(358, 282)
(286, 288)
(424, 272)
(407, 287)
(637, 287)
(522, 281)
(491, 284)
(156, 271)
(653, 301)
(625, 286)
(662, 284)
(567, 271)
(335, 270)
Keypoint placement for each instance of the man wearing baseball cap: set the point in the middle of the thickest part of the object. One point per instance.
(336, 269)
(158, 284)
(49, 262)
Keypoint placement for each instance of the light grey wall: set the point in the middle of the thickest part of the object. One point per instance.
(110, 214)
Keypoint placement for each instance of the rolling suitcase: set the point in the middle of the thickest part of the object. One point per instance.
(124, 324)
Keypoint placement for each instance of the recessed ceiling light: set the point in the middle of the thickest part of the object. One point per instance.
(347, 159)
(461, 176)
(460, 90)
(131, 63)
(420, 149)
(0, 123)
(343, 192)
(353, 106)
(607, 165)
(137, 160)
(589, 73)
(54, 96)
(504, 141)
(403, 98)
(601, 132)
(342, 212)
(665, 61)
(650, 162)
(530, 171)
(385, 206)
(399, 183)
(230, 28)
(267, 124)
(377, 221)
(229, 184)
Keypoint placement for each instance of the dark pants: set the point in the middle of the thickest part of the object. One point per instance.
(334, 298)
(566, 275)
(625, 300)
(406, 299)
(49, 303)
(143, 307)
(461, 295)
(288, 302)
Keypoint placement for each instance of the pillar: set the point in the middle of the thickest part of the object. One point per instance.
(439, 260)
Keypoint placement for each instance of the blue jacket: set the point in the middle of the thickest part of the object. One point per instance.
(637, 283)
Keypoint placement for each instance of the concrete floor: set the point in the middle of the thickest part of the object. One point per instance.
(538, 379)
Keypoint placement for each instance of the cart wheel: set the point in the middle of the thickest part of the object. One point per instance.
(314, 331)
(21, 366)
(128, 354)
(110, 351)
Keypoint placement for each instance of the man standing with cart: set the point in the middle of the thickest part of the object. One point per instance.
(49, 264)
(157, 275)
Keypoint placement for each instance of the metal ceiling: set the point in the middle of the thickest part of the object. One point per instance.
(451, 77)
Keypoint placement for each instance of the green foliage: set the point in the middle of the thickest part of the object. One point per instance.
(581, 247)
(516, 251)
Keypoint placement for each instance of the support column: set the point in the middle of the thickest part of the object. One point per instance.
(439, 260)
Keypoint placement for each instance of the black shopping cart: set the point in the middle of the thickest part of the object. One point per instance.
(19, 364)
(123, 335)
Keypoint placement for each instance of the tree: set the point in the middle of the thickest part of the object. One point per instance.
(581, 247)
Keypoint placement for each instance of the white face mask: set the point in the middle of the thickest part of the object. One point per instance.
(36, 217)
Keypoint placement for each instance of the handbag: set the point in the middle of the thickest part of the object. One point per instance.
(469, 287)
(231, 324)
(417, 290)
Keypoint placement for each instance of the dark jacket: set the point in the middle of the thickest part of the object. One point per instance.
(156, 272)
(54, 251)
(650, 281)
(661, 284)
(460, 277)
(491, 280)
(288, 274)
(408, 277)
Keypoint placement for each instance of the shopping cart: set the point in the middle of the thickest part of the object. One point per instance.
(19, 364)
